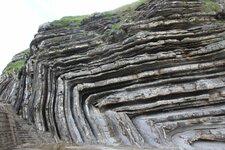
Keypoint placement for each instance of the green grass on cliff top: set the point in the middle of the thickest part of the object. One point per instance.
(15, 66)
(208, 6)
(76, 20)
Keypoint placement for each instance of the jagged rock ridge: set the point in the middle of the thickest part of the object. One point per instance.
(156, 81)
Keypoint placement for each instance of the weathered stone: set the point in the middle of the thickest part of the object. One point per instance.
(157, 80)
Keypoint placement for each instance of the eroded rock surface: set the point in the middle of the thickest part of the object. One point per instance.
(16, 131)
(160, 83)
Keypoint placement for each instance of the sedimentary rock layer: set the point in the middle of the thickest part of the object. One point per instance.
(161, 83)
(16, 131)
(8, 135)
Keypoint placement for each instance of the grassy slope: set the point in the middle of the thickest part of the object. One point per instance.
(15, 66)
(76, 20)
(69, 20)
(208, 6)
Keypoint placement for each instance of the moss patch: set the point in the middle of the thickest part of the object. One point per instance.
(75, 20)
(210, 6)
(14, 66)
(115, 26)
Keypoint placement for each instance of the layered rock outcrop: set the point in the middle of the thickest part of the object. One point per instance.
(158, 80)
(8, 135)
(15, 131)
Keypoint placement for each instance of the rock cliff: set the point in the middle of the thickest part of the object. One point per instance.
(153, 76)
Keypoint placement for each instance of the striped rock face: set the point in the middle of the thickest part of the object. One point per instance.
(156, 81)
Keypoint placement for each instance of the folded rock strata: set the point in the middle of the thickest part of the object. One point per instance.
(156, 81)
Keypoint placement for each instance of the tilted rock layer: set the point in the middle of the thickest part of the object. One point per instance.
(156, 81)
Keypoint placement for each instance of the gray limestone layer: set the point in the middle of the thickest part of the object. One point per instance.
(156, 81)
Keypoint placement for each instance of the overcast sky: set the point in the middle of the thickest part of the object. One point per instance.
(20, 19)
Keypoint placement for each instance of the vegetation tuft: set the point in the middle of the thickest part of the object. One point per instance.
(75, 20)
(126, 9)
(14, 66)
(114, 27)
(210, 5)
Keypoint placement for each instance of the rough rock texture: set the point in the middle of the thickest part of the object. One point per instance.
(156, 81)
(8, 135)
(74, 147)
(16, 131)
